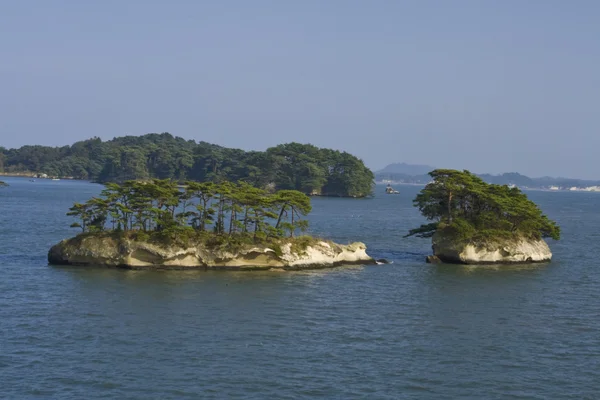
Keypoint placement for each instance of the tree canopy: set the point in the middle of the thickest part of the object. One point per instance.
(293, 166)
(162, 206)
(463, 205)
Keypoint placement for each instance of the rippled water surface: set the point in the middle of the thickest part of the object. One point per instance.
(404, 330)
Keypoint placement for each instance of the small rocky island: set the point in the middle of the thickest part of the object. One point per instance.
(158, 224)
(474, 222)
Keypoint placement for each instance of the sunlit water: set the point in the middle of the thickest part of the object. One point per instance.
(403, 330)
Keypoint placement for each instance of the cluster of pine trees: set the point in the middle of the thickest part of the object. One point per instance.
(224, 208)
(463, 205)
(292, 166)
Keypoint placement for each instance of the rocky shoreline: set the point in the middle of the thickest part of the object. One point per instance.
(110, 251)
(518, 250)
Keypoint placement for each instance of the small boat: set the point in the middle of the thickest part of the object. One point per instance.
(390, 190)
(55, 179)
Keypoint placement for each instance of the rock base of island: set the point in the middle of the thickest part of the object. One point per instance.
(498, 251)
(109, 251)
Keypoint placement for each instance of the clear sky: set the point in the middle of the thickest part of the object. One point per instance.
(491, 86)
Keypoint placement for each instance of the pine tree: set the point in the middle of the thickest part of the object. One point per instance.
(463, 205)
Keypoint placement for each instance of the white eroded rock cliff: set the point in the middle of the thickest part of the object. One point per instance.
(500, 251)
(108, 251)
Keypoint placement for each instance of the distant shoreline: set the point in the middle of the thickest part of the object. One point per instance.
(522, 188)
(18, 174)
(400, 183)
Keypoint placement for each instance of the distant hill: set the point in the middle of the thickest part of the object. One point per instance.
(509, 178)
(407, 169)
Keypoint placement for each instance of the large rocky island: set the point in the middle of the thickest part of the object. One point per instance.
(119, 251)
(479, 223)
(156, 224)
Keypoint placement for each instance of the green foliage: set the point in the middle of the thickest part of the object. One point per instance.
(161, 210)
(463, 206)
(186, 237)
(301, 243)
(292, 166)
(292, 203)
(424, 231)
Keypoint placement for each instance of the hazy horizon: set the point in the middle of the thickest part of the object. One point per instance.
(487, 86)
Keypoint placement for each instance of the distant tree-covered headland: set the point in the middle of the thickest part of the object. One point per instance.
(414, 174)
(293, 166)
(172, 211)
(463, 206)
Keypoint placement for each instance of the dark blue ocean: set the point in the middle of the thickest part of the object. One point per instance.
(407, 330)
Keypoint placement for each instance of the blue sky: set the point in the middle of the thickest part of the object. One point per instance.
(490, 86)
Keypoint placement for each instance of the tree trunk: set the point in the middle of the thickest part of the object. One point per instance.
(246, 220)
(221, 218)
(280, 215)
(255, 224)
(233, 215)
(204, 215)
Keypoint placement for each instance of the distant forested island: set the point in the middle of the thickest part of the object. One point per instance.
(407, 173)
(292, 166)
